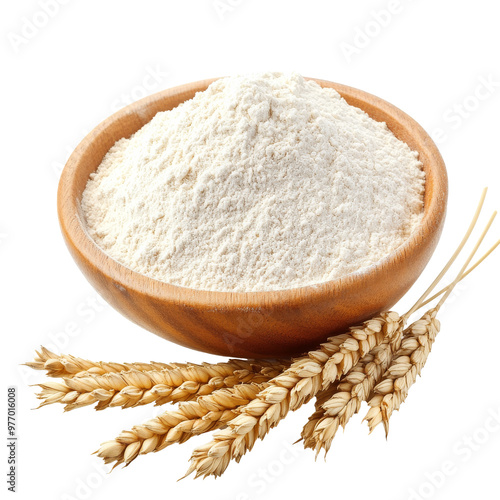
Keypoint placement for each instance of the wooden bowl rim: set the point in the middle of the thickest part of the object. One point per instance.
(69, 211)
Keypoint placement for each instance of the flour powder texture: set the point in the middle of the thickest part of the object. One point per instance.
(261, 182)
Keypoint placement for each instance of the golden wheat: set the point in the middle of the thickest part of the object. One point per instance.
(191, 418)
(303, 380)
(134, 388)
(288, 391)
(67, 366)
(341, 401)
(377, 361)
(402, 373)
(416, 345)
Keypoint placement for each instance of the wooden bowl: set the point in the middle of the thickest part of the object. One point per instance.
(253, 324)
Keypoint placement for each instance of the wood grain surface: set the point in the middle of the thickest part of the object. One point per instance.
(253, 324)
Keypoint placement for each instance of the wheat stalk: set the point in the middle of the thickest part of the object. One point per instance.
(308, 431)
(243, 400)
(134, 388)
(191, 418)
(303, 380)
(288, 391)
(322, 425)
(476, 264)
(336, 405)
(409, 360)
(402, 373)
(67, 366)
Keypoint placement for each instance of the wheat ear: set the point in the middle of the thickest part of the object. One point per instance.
(191, 418)
(321, 427)
(407, 363)
(67, 366)
(288, 391)
(134, 388)
(340, 402)
(313, 426)
(409, 360)
(333, 409)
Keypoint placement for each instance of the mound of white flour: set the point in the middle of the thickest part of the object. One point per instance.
(261, 182)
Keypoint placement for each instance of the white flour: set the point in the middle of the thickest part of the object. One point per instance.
(262, 182)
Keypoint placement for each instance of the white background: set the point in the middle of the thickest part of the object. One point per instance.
(89, 58)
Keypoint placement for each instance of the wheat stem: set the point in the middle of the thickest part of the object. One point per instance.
(476, 264)
(467, 262)
(453, 257)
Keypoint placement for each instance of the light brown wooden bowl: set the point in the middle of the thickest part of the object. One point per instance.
(253, 324)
